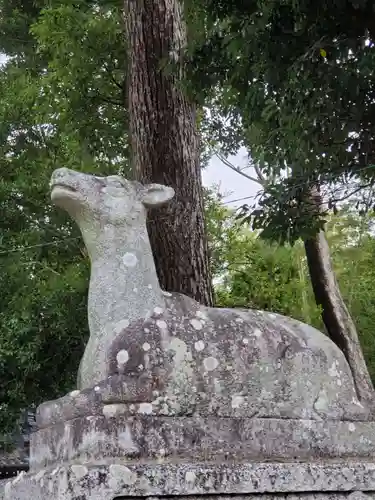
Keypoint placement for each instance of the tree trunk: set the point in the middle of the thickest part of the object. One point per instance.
(165, 145)
(338, 322)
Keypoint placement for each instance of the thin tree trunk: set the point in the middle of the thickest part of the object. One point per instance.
(165, 145)
(336, 317)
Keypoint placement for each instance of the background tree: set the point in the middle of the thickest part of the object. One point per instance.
(304, 74)
(165, 144)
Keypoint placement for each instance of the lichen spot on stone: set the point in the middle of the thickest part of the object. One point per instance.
(210, 363)
(79, 471)
(145, 408)
(135, 289)
(321, 403)
(357, 402)
(162, 325)
(146, 346)
(122, 473)
(351, 427)
(121, 325)
(237, 401)
(201, 315)
(196, 324)
(180, 350)
(190, 476)
(239, 320)
(129, 259)
(158, 311)
(112, 410)
(199, 345)
(257, 332)
(74, 394)
(245, 341)
(332, 371)
(122, 357)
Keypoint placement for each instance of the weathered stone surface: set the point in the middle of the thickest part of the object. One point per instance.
(187, 359)
(356, 495)
(112, 480)
(114, 390)
(237, 364)
(125, 432)
(197, 360)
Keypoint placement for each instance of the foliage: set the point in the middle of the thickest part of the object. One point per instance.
(252, 273)
(60, 94)
(84, 82)
(294, 81)
(352, 243)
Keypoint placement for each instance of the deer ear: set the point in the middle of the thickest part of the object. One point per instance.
(155, 195)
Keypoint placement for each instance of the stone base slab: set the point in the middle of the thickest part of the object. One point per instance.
(113, 480)
(146, 437)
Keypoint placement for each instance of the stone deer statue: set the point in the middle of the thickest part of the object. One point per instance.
(193, 359)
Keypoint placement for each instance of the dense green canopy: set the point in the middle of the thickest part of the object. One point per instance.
(295, 82)
(60, 95)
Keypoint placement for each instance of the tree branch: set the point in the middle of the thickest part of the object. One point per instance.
(261, 177)
(113, 79)
(352, 193)
(110, 101)
(237, 169)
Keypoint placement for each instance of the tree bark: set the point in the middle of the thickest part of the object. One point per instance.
(165, 145)
(336, 317)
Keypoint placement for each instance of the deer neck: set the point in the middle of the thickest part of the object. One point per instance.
(123, 285)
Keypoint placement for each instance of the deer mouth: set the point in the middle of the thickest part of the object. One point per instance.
(65, 187)
(61, 193)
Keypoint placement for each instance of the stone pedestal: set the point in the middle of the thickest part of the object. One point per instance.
(333, 480)
(149, 438)
(116, 456)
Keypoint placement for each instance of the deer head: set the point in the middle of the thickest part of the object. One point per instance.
(110, 200)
